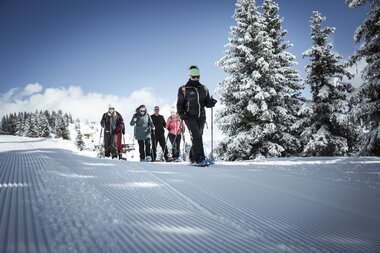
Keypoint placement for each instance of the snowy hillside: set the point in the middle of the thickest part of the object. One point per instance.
(55, 200)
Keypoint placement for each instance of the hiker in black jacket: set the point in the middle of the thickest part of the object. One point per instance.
(158, 135)
(191, 102)
(113, 125)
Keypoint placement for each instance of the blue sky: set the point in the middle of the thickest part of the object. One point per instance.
(115, 48)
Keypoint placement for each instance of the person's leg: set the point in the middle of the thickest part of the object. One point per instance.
(171, 138)
(107, 142)
(163, 146)
(147, 148)
(197, 147)
(178, 145)
(141, 149)
(154, 147)
(114, 145)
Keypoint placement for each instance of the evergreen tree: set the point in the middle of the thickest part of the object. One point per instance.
(240, 95)
(79, 139)
(259, 96)
(328, 132)
(285, 80)
(32, 131)
(61, 126)
(44, 128)
(368, 107)
(20, 127)
(12, 124)
(2, 123)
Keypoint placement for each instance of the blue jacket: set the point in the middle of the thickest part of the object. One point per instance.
(143, 126)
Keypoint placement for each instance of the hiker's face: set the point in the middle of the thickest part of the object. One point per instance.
(142, 111)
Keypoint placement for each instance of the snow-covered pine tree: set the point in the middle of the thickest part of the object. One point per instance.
(79, 139)
(20, 127)
(12, 123)
(43, 124)
(240, 95)
(368, 108)
(285, 80)
(1, 125)
(61, 127)
(32, 130)
(327, 136)
(254, 119)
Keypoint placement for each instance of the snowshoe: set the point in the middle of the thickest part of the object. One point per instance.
(170, 159)
(178, 160)
(204, 163)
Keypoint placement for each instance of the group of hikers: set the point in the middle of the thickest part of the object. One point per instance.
(149, 130)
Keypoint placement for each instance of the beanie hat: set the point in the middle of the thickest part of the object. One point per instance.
(111, 106)
(194, 72)
(156, 107)
(173, 111)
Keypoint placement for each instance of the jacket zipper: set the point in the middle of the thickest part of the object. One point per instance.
(199, 104)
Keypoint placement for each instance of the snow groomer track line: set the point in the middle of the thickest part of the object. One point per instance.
(54, 200)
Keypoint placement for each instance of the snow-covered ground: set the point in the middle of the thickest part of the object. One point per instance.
(55, 199)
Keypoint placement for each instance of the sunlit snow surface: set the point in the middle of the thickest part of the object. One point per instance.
(54, 199)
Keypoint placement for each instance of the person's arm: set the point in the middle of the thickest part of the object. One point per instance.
(182, 126)
(209, 101)
(133, 120)
(121, 124)
(150, 123)
(163, 121)
(181, 102)
(103, 121)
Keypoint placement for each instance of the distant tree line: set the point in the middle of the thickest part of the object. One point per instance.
(38, 124)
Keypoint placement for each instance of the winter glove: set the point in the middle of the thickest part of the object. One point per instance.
(135, 120)
(211, 102)
(123, 131)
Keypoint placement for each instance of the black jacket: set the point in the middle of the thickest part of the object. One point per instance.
(112, 123)
(159, 123)
(192, 99)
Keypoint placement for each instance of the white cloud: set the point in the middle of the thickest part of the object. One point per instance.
(31, 89)
(85, 106)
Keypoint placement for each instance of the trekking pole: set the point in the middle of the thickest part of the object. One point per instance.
(124, 148)
(212, 134)
(166, 141)
(153, 143)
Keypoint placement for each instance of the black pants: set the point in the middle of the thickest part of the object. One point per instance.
(144, 148)
(159, 139)
(175, 140)
(195, 126)
(110, 144)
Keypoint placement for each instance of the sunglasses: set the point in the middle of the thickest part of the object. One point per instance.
(156, 109)
(195, 77)
(142, 110)
(111, 108)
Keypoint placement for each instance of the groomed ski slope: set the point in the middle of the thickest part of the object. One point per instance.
(55, 200)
